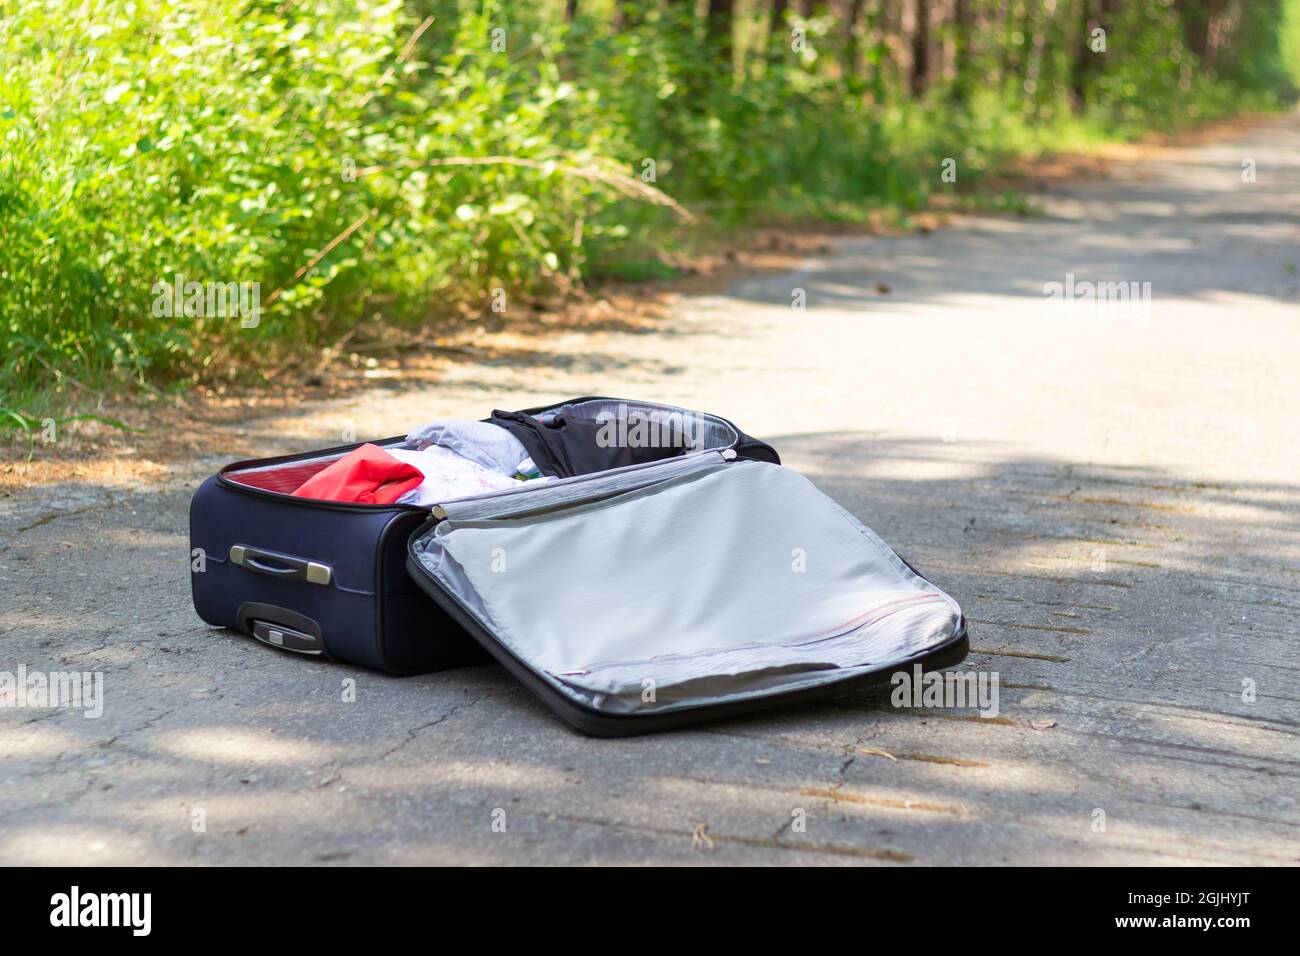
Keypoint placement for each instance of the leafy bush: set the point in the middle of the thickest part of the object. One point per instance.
(388, 160)
(251, 141)
(200, 138)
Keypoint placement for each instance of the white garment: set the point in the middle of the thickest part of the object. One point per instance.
(447, 476)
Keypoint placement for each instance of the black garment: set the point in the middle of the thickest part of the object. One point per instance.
(566, 445)
(563, 445)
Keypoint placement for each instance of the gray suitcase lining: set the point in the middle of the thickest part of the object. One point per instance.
(685, 582)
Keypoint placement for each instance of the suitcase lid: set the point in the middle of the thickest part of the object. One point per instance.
(652, 595)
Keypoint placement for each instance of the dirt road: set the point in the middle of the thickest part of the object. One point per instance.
(1112, 491)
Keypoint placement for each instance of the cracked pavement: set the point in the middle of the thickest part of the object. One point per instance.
(1114, 503)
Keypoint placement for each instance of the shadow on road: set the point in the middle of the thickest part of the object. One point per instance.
(1122, 609)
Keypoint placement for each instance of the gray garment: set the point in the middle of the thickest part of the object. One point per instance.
(481, 442)
(727, 580)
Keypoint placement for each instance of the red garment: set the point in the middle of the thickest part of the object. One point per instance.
(367, 475)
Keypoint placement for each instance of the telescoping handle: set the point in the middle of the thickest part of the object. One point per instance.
(286, 566)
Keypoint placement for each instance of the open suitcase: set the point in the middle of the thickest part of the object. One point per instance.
(630, 598)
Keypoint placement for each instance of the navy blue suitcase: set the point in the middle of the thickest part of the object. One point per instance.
(642, 591)
(330, 579)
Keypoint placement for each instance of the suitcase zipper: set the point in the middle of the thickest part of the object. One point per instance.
(469, 502)
(314, 502)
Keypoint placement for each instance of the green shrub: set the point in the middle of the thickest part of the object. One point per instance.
(356, 161)
(236, 141)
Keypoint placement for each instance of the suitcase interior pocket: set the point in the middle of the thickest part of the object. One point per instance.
(690, 582)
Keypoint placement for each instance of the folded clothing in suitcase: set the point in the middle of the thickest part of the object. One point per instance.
(329, 578)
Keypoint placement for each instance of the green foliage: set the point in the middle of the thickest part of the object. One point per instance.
(1288, 46)
(201, 138)
(386, 161)
(236, 141)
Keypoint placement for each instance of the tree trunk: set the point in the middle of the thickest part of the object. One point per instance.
(851, 65)
(1198, 17)
(1085, 61)
(1223, 24)
(964, 14)
(776, 24)
(718, 28)
(628, 14)
(1037, 52)
(891, 48)
(1008, 60)
(921, 48)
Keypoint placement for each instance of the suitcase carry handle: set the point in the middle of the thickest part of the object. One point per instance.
(279, 565)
